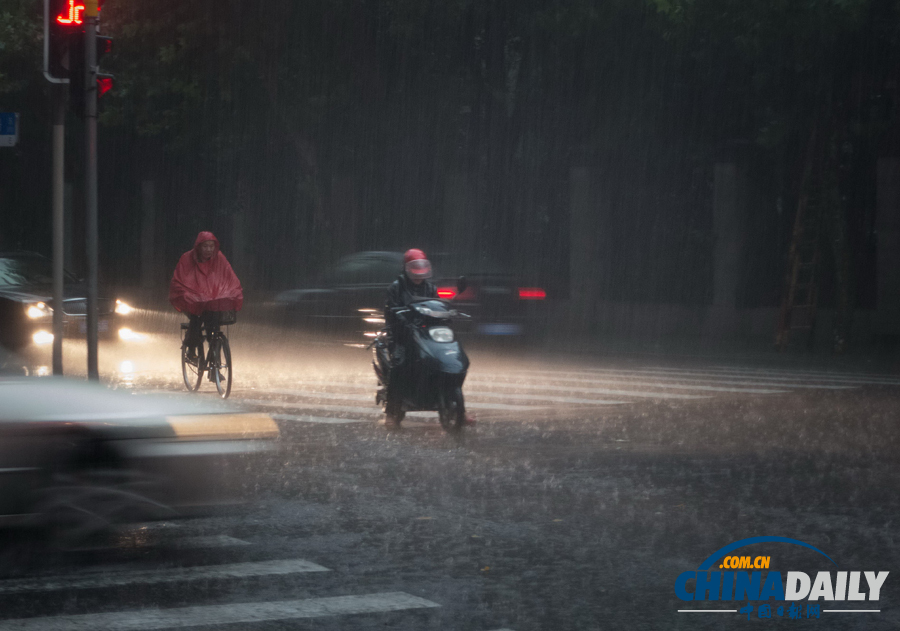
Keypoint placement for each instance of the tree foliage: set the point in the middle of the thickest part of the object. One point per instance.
(326, 126)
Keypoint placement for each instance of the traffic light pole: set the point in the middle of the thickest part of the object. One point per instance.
(90, 181)
(59, 91)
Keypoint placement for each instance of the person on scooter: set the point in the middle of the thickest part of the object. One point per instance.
(412, 283)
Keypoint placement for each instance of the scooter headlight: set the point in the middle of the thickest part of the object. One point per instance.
(441, 334)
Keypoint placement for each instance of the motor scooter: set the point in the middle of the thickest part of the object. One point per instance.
(431, 376)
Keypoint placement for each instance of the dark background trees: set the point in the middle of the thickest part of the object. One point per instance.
(300, 131)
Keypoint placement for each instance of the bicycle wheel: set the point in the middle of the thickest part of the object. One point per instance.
(221, 366)
(192, 367)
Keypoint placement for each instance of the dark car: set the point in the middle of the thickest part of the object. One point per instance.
(351, 294)
(26, 303)
(78, 458)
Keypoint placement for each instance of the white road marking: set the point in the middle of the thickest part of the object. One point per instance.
(157, 525)
(244, 613)
(628, 377)
(318, 406)
(149, 577)
(468, 393)
(339, 396)
(641, 394)
(212, 541)
(790, 371)
(534, 397)
(781, 375)
(480, 405)
(305, 418)
(476, 393)
(776, 376)
(374, 410)
(679, 375)
(502, 384)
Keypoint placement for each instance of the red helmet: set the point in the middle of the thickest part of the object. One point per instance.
(416, 265)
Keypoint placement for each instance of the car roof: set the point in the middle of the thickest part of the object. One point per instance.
(445, 263)
(21, 254)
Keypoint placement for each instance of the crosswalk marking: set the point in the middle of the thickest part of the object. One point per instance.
(169, 575)
(318, 406)
(475, 394)
(534, 397)
(777, 376)
(471, 396)
(640, 394)
(503, 384)
(332, 396)
(694, 375)
(783, 371)
(530, 389)
(246, 613)
(630, 376)
(306, 418)
(374, 410)
(210, 541)
(492, 382)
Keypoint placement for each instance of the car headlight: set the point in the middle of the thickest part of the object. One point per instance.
(123, 308)
(38, 310)
(441, 334)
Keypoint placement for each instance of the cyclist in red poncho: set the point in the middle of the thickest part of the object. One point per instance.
(204, 281)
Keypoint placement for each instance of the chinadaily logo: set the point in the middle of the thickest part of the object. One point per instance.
(759, 587)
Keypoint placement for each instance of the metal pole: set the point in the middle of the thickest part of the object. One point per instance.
(59, 142)
(90, 177)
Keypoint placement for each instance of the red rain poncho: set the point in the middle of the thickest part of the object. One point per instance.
(208, 286)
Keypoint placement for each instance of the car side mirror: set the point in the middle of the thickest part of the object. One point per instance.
(461, 284)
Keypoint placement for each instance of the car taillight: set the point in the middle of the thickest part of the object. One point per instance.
(531, 293)
(447, 293)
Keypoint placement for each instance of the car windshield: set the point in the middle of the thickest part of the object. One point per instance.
(27, 270)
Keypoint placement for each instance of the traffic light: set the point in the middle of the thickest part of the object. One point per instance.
(76, 71)
(62, 20)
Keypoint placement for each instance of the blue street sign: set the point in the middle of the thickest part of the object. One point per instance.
(9, 129)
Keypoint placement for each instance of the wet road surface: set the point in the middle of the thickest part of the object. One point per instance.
(582, 492)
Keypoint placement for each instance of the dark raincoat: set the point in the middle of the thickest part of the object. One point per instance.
(402, 291)
(208, 286)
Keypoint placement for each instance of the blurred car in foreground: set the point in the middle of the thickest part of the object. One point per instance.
(77, 458)
(351, 295)
(26, 303)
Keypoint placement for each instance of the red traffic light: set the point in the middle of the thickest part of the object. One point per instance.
(72, 13)
(104, 84)
(63, 20)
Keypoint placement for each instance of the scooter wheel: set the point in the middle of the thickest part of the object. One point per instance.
(452, 410)
(393, 414)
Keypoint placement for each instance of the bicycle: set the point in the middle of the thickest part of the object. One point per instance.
(216, 360)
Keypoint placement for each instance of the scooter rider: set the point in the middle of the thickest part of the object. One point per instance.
(412, 283)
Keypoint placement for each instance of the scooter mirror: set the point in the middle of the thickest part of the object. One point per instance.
(461, 284)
